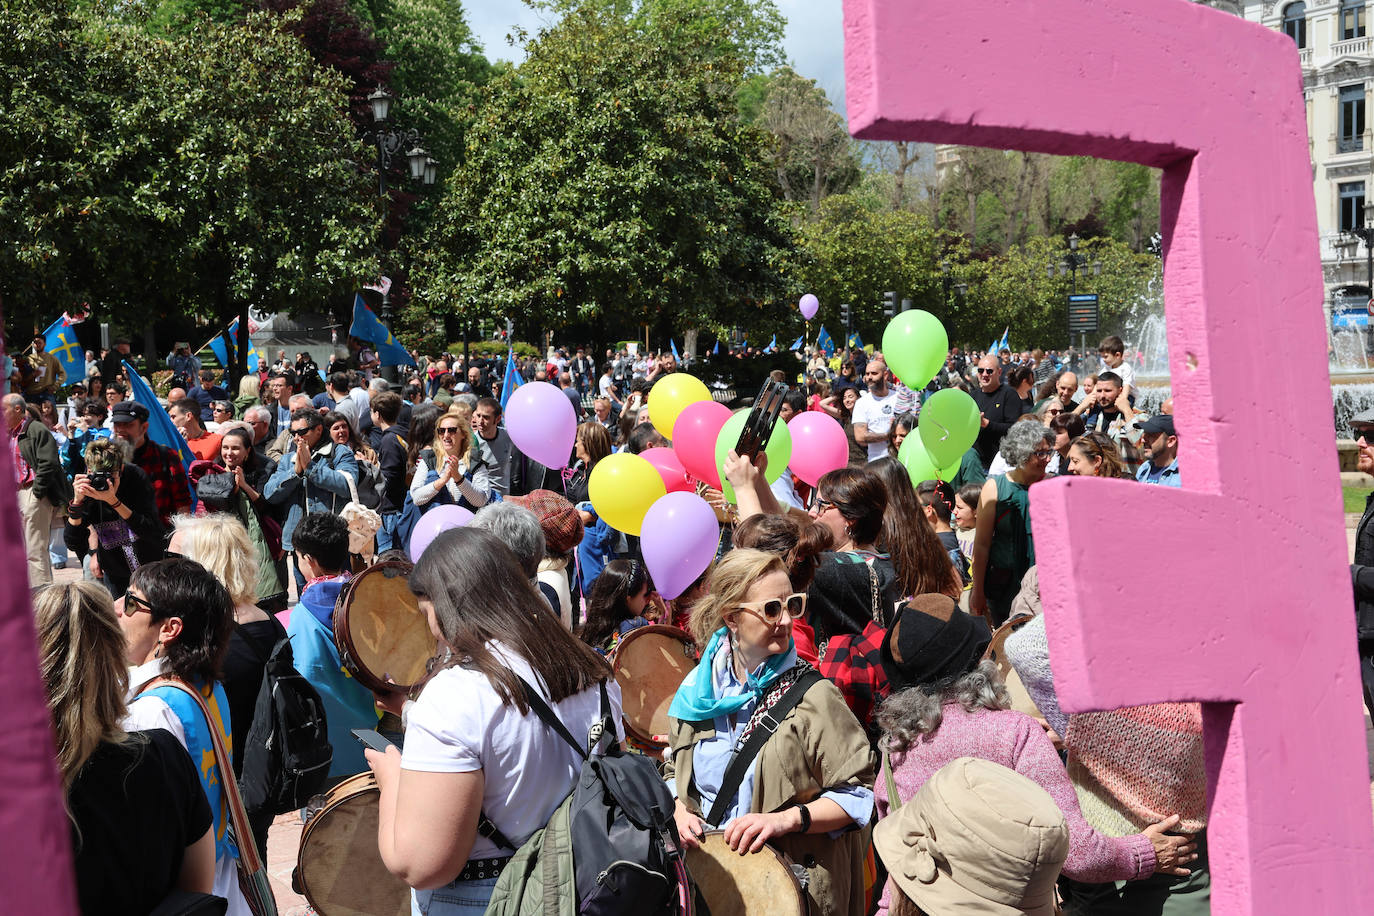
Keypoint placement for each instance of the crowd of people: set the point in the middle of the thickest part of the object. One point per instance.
(842, 632)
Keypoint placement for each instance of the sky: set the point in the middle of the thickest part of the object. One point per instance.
(813, 42)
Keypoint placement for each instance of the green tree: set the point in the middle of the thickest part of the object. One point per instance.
(812, 152)
(609, 181)
(856, 249)
(193, 174)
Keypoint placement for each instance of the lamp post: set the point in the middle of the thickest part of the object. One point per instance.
(423, 168)
(1071, 262)
(1365, 233)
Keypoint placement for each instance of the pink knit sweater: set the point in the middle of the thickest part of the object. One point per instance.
(1017, 742)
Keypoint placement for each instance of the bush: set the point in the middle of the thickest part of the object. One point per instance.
(492, 348)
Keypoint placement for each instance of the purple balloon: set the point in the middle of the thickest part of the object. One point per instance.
(432, 524)
(809, 304)
(542, 423)
(679, 541)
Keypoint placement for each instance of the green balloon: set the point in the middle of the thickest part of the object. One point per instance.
(915, 346)
(779, 450)
(920, 465)
(948, 425)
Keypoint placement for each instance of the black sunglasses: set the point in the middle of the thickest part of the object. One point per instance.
(986, 371)
(296, 433)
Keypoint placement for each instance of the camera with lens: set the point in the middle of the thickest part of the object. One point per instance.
(99, 480)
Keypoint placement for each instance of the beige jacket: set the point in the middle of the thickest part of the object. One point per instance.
(819, 745)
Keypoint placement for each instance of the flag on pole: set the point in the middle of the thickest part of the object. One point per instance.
(797, 344)
(855, 341)
(60, 340)
(222, 350)
(772, 345)
(366, 326)
(826, 342)
(716, 350)
(1003, 343)
(672, 345)
(512, 380)
(160, 427)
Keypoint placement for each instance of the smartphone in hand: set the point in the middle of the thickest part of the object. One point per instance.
(372, 738)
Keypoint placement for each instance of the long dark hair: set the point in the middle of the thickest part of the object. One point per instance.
(253, 462)
(183, 588)
(799, 545)
(481, 595)
(921, 561)
(423, 420)
(607, 602)
(860, 496)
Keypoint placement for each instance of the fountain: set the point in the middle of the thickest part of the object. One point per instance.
(1352, 375)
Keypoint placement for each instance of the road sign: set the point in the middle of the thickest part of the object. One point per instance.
(1083, 313)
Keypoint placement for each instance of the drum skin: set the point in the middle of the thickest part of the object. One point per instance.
(1020, 698)
(650, 664)
(729, 884)
(380, 630)
(339, 869)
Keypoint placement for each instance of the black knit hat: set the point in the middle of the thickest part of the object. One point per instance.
(932, 644)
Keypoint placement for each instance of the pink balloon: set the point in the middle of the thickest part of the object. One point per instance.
(669, 468)
(679, 541)
(809, 304)
(433, 523)
(542, 423)
(694, 439)
(819, 445)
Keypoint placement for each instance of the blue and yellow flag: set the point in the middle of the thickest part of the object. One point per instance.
(512, 380)
(60, 340)
(221, 349)
(826, 342)
(367, 326)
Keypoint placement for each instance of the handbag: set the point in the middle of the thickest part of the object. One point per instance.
(215, 490)
(253, 881)
(190, 903)
(363, 523)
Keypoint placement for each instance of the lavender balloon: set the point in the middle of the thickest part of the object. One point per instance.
(809, 305)
(432, 524)
(542, 424)
(679, 541)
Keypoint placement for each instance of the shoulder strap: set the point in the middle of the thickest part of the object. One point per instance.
(549, 717)
(894, 800)
(743, 758)
(248, 850)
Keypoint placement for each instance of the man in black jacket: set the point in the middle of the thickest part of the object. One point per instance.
(999, 405)
(1362, 577)
(391, 456)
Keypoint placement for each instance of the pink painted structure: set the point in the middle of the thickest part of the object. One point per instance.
(35, 845)
(1235, 591)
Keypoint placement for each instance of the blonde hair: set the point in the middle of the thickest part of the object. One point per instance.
(107, 455)
(81, 658)
(220, 543)
(728, 584)
(249, 387)
(463, 414)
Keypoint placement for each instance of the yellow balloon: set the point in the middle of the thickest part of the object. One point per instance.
(622, 488)
(670, 396)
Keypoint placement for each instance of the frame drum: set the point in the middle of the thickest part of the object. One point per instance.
(650, 664)
(339, 869)
(729, 884)
(380, 630)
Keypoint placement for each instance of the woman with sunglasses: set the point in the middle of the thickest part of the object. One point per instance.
(446, 470)
(807, 791)
(117, 784)
(1002, 545)
(177, 619)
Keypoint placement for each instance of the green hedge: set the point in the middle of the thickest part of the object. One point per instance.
(491, 348)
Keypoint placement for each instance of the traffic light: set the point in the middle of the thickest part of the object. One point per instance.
(844, 313)
(889, 303)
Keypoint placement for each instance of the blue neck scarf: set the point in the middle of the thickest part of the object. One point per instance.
(696, 700)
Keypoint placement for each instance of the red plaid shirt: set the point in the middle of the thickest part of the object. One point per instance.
(855, 664)
(171, 490)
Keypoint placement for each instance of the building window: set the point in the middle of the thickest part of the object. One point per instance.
(1295, 23)
(1351, 137)
(1351, 194)
(1352, 19)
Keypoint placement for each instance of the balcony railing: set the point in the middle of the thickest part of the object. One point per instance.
(1351, 47)
(1353, 144)
(1305, 56)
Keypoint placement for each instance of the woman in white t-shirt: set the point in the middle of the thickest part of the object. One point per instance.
(472, 745)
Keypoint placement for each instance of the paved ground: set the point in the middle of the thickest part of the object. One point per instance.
(283, 840)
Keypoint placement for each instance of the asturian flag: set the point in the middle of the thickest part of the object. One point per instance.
(797, 344)
(366, 326)
(826, 342)
(512, 380)
(221, 349)
(160, 427)
(60, 340)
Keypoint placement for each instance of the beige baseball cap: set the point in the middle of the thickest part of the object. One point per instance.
(977, 838)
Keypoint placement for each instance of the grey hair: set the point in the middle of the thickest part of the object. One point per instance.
(911, 713)
(299, 401)
(1024, 437)
(467, 398)
(519, 528)
(257, 414)
(379, 385)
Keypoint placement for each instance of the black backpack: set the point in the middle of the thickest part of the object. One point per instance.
(288, 754)
(616, 827)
